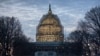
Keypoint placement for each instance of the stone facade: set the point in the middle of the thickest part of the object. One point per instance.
(55, 49)
(49, 38)
(50, 28)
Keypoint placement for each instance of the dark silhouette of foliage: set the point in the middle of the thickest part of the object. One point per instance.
(92, 18)
(10, 34)
(88, 33)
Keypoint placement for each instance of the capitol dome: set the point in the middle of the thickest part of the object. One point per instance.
(49, 28)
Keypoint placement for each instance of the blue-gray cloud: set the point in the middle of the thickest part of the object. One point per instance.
(29, 12)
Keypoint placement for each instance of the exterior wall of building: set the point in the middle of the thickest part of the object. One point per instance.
(49, 37)
(45, 53)
(59, 48)
(50, 29)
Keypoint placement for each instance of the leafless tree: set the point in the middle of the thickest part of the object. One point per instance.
(86, 36)
(10, 29)
(93, 20)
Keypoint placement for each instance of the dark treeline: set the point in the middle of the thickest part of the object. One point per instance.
(88, 33)
(12, 40)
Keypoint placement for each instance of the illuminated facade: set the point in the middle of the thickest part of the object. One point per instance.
(49, 38)
(49, 28)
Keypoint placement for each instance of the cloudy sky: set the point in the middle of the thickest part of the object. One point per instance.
(29, 12)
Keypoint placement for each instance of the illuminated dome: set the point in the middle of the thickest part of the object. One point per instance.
(49, 28)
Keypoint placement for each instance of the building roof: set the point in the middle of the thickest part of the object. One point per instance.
(49, 17)
(48, 43)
